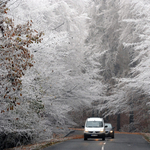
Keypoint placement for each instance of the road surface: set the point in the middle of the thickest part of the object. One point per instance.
(120, 142)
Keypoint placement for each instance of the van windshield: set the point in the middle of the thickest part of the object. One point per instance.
(94, 124)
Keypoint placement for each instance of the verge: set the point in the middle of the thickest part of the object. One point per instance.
(146, 136)
(42, 145)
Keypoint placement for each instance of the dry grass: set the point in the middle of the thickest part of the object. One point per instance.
(80, 129)
(42, 145)
(127, 132)
(146, 136)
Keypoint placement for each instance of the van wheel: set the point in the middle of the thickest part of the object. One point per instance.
(85, 138)
(103, 138)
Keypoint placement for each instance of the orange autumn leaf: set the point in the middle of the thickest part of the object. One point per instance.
(35, 31)
(5, 96)
(11, 108)
(13, 34)
(2, 111)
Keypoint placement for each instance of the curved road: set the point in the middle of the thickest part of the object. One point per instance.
(120, 142)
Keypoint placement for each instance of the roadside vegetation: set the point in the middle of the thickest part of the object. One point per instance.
(146, 136)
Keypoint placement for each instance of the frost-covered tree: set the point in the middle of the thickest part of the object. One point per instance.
(118, 51)
(17, 113)
(138, 18)
(58, 75)
(15, 58)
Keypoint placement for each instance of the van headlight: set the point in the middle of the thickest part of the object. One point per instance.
(102, 131)
(85, 131)
(111, 131)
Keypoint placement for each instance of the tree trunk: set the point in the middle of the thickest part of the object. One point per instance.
(118, 122)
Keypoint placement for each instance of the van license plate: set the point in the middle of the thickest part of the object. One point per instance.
(93, 135)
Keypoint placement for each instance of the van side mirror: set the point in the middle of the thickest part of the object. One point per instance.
(82, 126)
(106, 126)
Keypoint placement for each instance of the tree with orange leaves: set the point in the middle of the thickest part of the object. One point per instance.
(15, 57)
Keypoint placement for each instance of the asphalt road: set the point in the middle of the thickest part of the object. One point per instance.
(120, 142)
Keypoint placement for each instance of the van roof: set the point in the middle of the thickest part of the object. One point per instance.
(95, 119)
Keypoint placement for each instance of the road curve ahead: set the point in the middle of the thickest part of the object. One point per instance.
(120, 142)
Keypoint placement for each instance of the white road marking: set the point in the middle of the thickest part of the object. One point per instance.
(103, 146)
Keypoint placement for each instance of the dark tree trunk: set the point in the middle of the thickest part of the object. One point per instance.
(131, 121)
(118, 122)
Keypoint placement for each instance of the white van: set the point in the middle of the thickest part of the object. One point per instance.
(94, 128)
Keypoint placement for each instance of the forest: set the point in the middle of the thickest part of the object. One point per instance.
(62, 61)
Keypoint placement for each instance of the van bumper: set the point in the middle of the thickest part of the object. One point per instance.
(89, 135)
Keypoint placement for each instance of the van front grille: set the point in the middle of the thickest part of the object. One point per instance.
(94, 132)
(90, 131)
